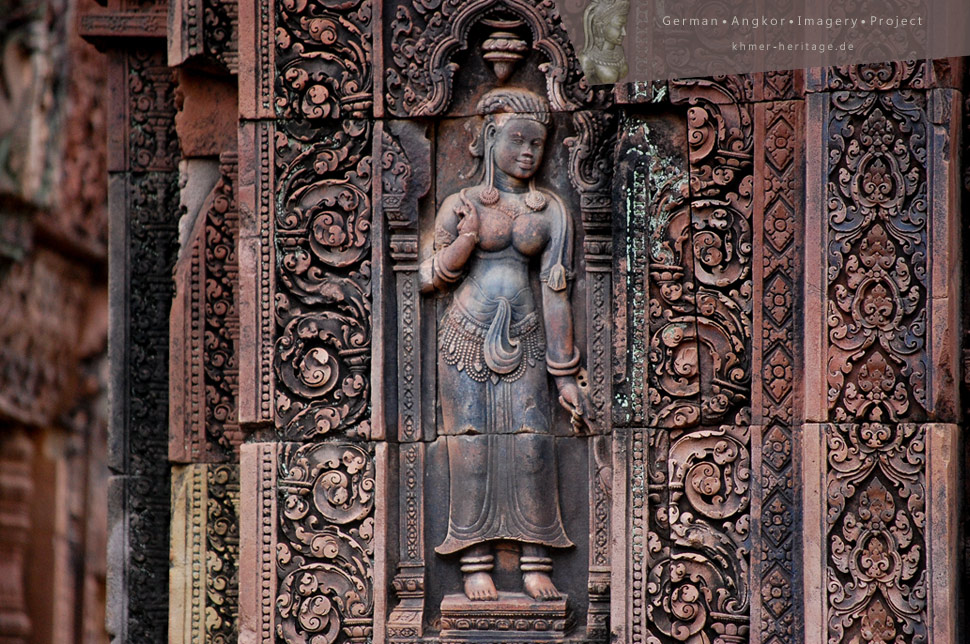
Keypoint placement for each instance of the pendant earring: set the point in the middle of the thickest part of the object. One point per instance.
(535, 200)
(489, 194)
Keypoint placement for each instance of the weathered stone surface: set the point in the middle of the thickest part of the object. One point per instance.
(144, 212)
(757, 291)
(207, 114)
(204, 577)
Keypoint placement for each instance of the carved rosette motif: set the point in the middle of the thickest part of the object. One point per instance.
(325, 553)
(780, 231)
(423, 38)
(876, 578)
(323, 220)
(323, 59)
(876, 257)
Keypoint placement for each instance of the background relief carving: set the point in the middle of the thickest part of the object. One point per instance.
(752, 300)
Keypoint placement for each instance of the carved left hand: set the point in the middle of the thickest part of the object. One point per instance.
(576, 402)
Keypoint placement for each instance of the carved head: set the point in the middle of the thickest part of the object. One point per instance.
(604, 23)
(503, 105)
(512, 137)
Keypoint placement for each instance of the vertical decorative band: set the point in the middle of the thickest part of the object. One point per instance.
(883, 204)
(257, 549)
(257, 277)
(779, 134)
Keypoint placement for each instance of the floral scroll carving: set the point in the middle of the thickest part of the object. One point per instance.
(690, 283)
(876, 496)
(325, 553)
(221, 317)
(876, 274)
(222, 553)
(323, 59)
(699, 261)
(323, 302)
(697, 572)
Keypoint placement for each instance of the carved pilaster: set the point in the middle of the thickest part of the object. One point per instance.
(720, 139)
(600, 537)
(404, 177)
(16, 488)
(687, 330)
(323, 299)
(144, 212)
(205, 332)
(258, 465)
(257, 60)
(590, 172)
(778, 230)
(878, 535)
(257, 275)
(310, 540)
(205, 546)
(881, 300)
(406, 621)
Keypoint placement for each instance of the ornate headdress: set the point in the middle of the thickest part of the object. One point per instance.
(497, 106)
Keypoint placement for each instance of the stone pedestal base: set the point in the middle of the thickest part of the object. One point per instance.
(513, 617)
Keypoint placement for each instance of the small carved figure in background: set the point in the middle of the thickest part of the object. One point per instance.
(497, 348)
(604, 26)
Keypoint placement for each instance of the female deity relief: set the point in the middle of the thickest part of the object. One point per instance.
(498, 348)
(604, 25)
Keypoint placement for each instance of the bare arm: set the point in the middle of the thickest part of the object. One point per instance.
(456, 235)
(562, 354)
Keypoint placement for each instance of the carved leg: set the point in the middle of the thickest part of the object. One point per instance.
(536, 566)
(476, 567)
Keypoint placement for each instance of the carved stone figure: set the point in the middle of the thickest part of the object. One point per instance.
(497, 348)
(604, 26)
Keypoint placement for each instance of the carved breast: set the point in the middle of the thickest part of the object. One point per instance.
(527, 233)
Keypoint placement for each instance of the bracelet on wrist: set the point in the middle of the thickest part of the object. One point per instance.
(566, 368)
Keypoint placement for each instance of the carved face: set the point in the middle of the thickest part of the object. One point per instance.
(615, 29)
(517, 148)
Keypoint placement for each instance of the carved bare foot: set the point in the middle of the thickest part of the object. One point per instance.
(539, 586)
(480, 587)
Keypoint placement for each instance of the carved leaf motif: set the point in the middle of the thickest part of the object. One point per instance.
(325, 555)
(323, 304)
(323, 57)
(877, 256)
